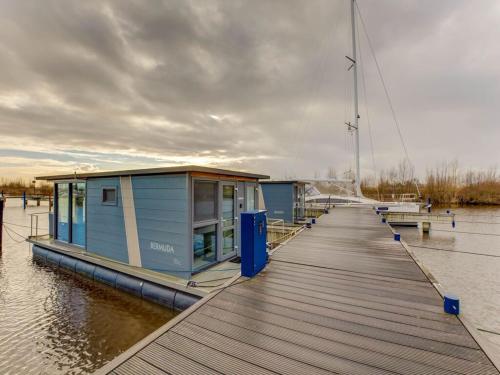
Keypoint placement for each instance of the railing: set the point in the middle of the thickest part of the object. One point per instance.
(407, 197)
(276, 224)
(314, 211)
(278, 231)
(34, 227)
(278, 235)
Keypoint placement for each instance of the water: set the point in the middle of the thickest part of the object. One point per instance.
(56, 322)
(474, 277)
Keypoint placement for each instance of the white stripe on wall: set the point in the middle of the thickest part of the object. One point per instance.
(134, 254)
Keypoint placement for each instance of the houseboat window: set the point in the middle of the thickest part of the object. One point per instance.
(78, 214)
(228, 205)
(109, 195)
(250, 197)
(204, 246)
(63, 212)
(228, 221)
(205, 200)
(228, 241)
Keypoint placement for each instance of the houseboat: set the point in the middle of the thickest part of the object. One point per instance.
(175, 221)
(284, 199)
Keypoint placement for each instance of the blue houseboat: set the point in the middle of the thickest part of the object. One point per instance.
(284, 200)
(176, 221)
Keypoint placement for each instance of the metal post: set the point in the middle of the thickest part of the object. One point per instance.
(24, 200)
(356, 113)
(1, 220)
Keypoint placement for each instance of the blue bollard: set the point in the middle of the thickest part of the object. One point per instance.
(24, 200)
(313, 220)
(397, 237)
(451, 304)
(383, 220)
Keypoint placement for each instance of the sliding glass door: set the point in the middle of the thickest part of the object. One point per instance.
(70, 212)
(205, 223)
(228, 220)
(63, 212)
(214, 222)
(250, 196)
(78, 214)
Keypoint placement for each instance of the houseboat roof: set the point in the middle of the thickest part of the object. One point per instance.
(283, 182)
(155, 171)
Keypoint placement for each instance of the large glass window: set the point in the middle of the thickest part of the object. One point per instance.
(250, 197)
(63, 212)
(71, 212)
(227, 241)
(205, 200)
(78, 214)
(228, 205)
(204, 246)
(228, 221)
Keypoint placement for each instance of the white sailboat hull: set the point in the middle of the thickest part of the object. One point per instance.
(329, 201)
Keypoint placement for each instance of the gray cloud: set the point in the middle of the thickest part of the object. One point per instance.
(259, 85)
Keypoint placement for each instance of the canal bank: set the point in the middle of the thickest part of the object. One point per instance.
(343, 297)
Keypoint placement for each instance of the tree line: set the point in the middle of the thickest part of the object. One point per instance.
(16, 186)
(443, 184)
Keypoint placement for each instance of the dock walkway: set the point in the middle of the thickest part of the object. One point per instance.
(341, 298)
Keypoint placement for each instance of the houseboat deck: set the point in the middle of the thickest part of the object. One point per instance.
(206, 281)
(341, 298)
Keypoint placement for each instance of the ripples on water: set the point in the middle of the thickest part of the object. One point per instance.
(55, 322)
(474, 278)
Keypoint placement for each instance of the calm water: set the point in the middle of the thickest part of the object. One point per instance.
(475, 277)
(54, 322)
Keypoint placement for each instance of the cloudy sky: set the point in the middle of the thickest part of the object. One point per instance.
(252, 85)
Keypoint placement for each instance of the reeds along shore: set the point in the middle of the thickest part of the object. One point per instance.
(443, 185)
(16, 186)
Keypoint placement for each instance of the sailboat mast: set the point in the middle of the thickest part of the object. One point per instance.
(356, 113)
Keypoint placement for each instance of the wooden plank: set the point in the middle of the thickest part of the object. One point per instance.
(322, 316)
(172, 362)
(137, 366)
(227, 355)
(246, 315)
(276, 354)
(319, 298)
(355, 359)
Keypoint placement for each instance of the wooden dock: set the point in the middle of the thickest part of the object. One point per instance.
(341, 298)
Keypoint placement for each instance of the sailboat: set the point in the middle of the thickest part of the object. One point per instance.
(355, 198)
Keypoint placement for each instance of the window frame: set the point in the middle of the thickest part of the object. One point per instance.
(254, 187)
(57, 208)
(109, 203)
(207, 222)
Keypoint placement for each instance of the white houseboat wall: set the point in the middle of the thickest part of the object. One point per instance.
(176, 221)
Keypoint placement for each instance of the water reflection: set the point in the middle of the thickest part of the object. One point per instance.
(471, 268)
(53, 321)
